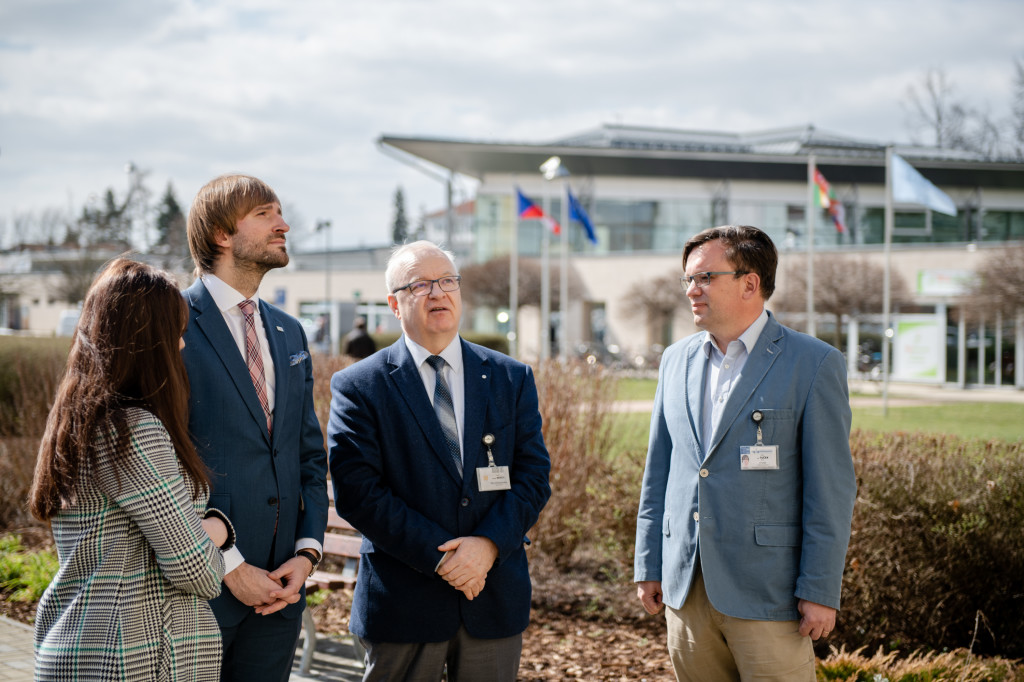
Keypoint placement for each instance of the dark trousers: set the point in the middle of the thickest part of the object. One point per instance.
(260, 648)
(468, 659)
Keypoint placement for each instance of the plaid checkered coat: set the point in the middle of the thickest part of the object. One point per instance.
(136, 570)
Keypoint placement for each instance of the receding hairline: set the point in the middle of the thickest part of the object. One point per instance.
(406, 255)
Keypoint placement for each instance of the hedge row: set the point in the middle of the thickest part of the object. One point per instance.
(936, 559)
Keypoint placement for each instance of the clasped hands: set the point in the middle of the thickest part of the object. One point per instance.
(466, 562)
(268, 591)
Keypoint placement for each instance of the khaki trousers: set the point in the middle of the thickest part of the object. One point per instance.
(706, 645)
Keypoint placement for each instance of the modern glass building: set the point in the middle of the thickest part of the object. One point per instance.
(648, 190)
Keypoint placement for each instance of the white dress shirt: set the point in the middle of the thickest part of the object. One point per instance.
(453, 374)
(723, 373)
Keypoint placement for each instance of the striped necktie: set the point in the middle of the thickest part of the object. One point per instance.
(445, 410)
(254, 358)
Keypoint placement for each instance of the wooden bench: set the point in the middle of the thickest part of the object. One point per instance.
(341, 547)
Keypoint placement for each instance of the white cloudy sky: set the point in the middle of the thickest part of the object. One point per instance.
(298, 91)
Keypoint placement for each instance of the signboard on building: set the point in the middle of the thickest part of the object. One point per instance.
(919, 348)
(944, 282)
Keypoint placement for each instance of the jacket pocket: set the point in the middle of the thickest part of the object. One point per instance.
(778, 536)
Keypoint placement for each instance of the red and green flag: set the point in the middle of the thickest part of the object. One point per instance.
(826, 198)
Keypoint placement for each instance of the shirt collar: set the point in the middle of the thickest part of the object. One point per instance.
(224, 295)
(748, 338)
(452, 353)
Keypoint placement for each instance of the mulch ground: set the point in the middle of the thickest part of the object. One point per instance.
(583, 626)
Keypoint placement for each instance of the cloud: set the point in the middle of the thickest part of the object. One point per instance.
(298, 92)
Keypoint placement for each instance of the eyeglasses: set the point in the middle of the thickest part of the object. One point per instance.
(423, 287)
(702, 279)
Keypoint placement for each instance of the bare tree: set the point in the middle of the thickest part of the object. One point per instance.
(655, 301)
(999, 287)
(487, 284)
(842, 286)
(934, 107)
(1017, 110)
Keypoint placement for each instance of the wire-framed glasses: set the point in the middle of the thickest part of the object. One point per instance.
(702, 279)
(423, 287)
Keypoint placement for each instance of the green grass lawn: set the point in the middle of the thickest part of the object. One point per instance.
(999, 421)
(990, 421)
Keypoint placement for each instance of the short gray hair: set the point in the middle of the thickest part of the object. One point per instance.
(404, 256)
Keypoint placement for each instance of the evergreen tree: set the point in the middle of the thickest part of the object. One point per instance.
(400, 226)
(169, 217)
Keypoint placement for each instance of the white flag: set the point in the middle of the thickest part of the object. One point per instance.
(910, 187)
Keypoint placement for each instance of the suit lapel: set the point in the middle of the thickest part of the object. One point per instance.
(477, 394)
(409, 384)
(696, 366)
(210, 322)
(279, 353)
(766, 351)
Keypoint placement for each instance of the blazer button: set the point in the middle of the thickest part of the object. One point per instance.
(704, 473)
(696, 516)
(464, 502)
(271, 501)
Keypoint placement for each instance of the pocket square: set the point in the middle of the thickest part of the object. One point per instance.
(297, 358)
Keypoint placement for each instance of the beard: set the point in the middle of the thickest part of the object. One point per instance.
(259, 256)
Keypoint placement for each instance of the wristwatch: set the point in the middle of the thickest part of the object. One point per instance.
(311, 555)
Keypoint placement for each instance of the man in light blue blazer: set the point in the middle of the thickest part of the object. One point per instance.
(252, 421)
(748, 490)
(437, 457)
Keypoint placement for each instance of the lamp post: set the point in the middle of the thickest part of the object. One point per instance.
(325, 226)
(551, 169)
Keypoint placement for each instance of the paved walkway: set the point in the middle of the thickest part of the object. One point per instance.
(16, 657)
(334, 660)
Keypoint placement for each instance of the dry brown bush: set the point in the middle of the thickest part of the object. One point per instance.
(593, 496)
(29, 371)
(936, 559)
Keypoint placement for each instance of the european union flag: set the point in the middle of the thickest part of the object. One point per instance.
(577, 213)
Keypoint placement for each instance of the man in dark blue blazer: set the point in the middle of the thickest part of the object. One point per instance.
(252, 421)
(437, 457)
(748, 490)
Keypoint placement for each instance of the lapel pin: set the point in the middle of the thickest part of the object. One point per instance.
(278, 328)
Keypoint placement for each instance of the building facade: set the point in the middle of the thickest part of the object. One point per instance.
(648, 190)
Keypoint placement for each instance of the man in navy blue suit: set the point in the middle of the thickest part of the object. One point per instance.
(252, 421)
(437, 457)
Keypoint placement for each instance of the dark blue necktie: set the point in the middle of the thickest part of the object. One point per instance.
(445, 410)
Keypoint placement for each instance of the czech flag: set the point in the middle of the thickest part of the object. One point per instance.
(530, 211)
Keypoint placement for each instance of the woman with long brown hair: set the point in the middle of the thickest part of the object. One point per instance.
(125, 492)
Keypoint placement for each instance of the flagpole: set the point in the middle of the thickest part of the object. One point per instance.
(563, 282)
(886, 281)
(513, 281)
(811, 187)
(545, 283)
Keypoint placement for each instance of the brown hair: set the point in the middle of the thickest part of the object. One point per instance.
(125, 352)
(218, 207)
(747, 248)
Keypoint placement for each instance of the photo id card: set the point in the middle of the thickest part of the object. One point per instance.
(493, 478)
(759, 457)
